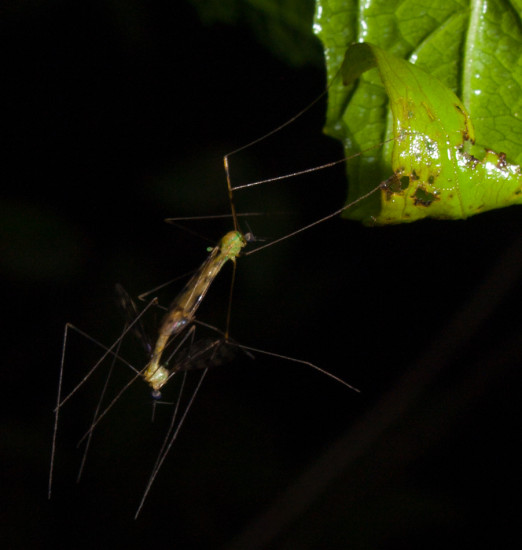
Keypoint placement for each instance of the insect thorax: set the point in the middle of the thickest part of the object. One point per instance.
(231, 244)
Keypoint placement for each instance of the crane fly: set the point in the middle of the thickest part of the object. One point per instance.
(179, 322)
(182, 310)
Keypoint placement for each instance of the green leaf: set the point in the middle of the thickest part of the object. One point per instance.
(433, 166)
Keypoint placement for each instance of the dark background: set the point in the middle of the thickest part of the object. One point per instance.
(116, 115)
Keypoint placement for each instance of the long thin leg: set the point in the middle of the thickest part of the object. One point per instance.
(109, 406)
(171, 426)
(299, 361)
(161, 459)
(57, 411)
(60, 402)
(108, 351)
(96, 412)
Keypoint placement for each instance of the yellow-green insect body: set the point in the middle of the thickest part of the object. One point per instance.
(182, 310)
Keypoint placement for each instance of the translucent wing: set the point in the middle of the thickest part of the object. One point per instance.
(131, 314)
(205, 353)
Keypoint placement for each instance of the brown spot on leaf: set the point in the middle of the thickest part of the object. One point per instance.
(421, 197)
(392, 185)
(472, 161)
(501, 163)
(465, 133)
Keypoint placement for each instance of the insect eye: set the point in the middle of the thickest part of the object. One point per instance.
(156, 395)
(249, 237)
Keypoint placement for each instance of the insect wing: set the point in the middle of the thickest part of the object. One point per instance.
(205, 353)
(131, 314)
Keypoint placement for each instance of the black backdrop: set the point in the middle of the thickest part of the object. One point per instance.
(116, 118)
